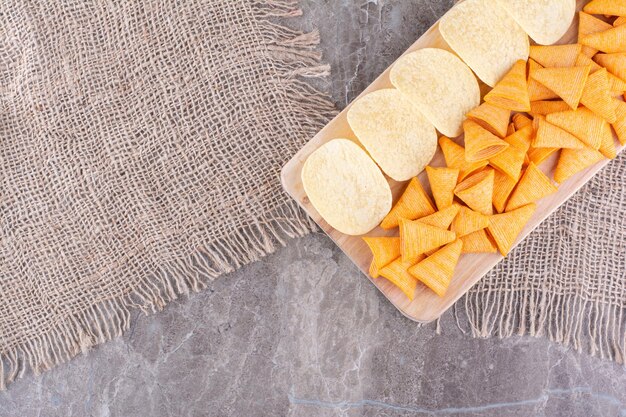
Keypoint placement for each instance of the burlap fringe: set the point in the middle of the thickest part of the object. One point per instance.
(293, 56)
(595, 327)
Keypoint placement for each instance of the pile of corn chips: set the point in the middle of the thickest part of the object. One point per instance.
(565, 99)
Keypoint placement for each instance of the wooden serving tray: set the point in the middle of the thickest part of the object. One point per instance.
(426, 306)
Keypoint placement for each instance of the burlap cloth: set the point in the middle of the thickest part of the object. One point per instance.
(140, 146)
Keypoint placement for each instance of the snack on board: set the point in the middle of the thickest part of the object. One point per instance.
(442, 183)
(413, 204)
(346, 187)
(480, 144)
(493, 118)
(417, 238)
(567, 83)
(606, 7)
(572, 162)
(397, 272)
(555, 56)
(536, 90)
(394, 133)
(532, 187)
(455, 157)
(484, 35)
(477, 191)
(443, 218)
(597, 96)
(609, 41)
(587, 25)
(511, 92)
(478, 242)
(440, 85)
(545, 21)
(469, 221)
(384, 250)
(437, 270)
(551, 136)
(506, 227)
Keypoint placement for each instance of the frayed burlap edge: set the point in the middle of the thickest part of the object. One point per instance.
(293, 56)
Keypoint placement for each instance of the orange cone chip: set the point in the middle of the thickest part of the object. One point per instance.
(413, 204)
(572, 162)
(606, 7)
(480, 144)
(614, 63)
(568, 83)
(587, 25)
(610, 41)
(521, 121)
(442, 182)
(533, 186)
(511, 129)
(503, 185)
(506, 227)
(583, 60)
(373, 271)
(546, 107)
(455, 158)
(384, 250)
(619, 21)
(469, 221)
(477, 191)
(555, 56)
(478, 242)
(607, 146)
(436, 271)
(493, 118)
(510, 161)
(538, 155)
(536, 90)
(512, 91)
(417, 238)
(551, 136)
(582, 123)
(618, 86)
(620, 125)
(443, 218)
(597, 96)
(397, 273)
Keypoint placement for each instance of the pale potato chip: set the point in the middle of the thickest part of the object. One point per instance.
(394, 132)
(346, 187)
(485, 37)
(440, 85)
(545, 21)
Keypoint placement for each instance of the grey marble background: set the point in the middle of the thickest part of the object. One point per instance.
(303, 333)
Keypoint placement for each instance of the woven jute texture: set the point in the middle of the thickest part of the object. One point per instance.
(140, 150)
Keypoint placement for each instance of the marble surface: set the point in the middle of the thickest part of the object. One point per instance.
(303, 333)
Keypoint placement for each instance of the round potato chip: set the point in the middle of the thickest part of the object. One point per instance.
(346, 187)
(394, 132)
(440, 85)
(545, 21)
(485, 37)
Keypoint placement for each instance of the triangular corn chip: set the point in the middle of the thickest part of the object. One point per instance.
(477, 191)
(437, 270)
(506, 227)
(442, 182)
(478, 242)
(582, 123)
(587, 25)
(606, 7)
(538, 155)
(533, 186)
(493, 118)
(568, 83)
(618, 86)
(546, 107)
(480, 144)
(503, 185)
(511, 129)
(413, 204)
(468, 221)
(551, 136)
(443, 218)
(607, 146)
(614, 63)
(455, 158)
(397, 273)
(597, 96)
(572, 162)
(521, 121)
(619, 21)
(555, 56)
(583, 60)
(610, 41)
(373, 271)
(510, 161)
(536, 90)
(620, 125)
(384, 249)
(511, 92)
(417, 238)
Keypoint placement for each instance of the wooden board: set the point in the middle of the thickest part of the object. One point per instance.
(426, 306)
